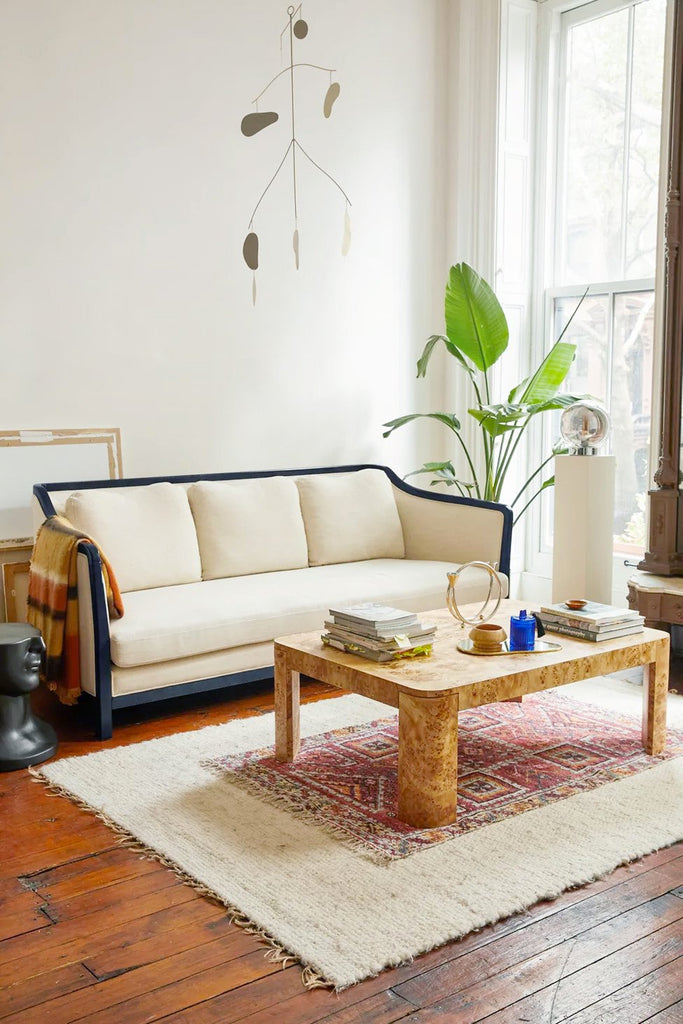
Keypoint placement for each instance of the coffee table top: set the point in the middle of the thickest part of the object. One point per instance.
(477, 679)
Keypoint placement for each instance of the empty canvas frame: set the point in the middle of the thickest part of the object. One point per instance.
(28, 457)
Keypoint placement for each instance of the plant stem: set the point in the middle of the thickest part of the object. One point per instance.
(490, 493)
(470, 464)
(519, 516)
(477, 392)
(576, 310)
(504, 449)
(513, 448)
(535, 473)
(489, 454)
(487, 441)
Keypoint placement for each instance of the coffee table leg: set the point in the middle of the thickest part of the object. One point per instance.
(287, 736)
(655, 686)
(427, 760)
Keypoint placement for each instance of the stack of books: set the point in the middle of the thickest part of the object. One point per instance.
(592, 622)
(378, 632)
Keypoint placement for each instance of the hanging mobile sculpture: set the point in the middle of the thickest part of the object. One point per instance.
(258, 120)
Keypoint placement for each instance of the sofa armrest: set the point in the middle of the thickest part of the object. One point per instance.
(86, 625)
(93, 623)
(458, 530)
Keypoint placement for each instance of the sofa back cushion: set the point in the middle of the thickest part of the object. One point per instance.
(248, 526)
(350, 517)
(147, 533)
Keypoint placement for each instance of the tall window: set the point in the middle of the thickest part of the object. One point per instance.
(606, 173)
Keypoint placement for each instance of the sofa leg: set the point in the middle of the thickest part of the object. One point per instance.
(104, 726)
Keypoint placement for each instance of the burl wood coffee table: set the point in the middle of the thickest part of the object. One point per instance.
(429, 692)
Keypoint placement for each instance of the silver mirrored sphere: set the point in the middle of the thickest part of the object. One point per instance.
(584, 427)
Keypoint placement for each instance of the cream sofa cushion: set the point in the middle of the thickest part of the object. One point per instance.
(146, 532)
(218, 615)
(350, 517)
(248, 526)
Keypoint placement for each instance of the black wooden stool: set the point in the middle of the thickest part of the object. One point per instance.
(24, 739)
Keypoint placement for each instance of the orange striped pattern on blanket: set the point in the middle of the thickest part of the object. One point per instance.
(53, 602)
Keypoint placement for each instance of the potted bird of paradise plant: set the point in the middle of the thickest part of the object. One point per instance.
(476, 336)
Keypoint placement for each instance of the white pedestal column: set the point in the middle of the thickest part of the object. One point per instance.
(584, 527)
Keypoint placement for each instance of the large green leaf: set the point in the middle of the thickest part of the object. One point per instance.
(423, 361)
(448, 419)
(558, 402)
(500, 418)
(444, 473)
(475, 321)
(539, 387)
(548, 378)
(433, 467)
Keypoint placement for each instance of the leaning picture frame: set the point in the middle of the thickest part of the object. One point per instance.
(58, 455)
(15, 590)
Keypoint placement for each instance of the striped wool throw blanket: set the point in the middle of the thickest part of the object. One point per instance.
(53, 602)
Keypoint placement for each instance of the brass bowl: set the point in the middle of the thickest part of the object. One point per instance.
(576, 604)
(488, 637)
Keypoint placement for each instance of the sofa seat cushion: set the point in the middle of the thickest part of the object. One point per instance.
(146, 532)
(263, 513)
(180, 622)
(350, 517)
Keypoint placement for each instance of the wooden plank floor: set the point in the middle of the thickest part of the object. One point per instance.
(91, 931)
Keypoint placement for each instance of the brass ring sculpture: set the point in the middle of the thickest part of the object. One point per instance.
(483, 614)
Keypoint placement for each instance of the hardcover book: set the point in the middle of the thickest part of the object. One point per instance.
(584, 633)
(403, 636)
(550, 620)
(374, 615)
(371, 653)
(592, 614)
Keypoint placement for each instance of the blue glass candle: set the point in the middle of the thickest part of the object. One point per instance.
(522, 632)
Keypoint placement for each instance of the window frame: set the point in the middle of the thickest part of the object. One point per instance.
(556, 18)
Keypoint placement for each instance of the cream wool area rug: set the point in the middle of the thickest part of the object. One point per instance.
(341, 914)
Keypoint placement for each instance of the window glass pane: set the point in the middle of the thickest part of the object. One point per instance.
(630, 412)
(589, 331)
(590, 234)
(644, 138)
(589, 373)
(613, 364)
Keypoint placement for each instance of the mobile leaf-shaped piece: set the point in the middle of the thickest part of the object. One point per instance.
(257, 121)
(330, 96)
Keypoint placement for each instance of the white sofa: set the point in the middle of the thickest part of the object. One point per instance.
(213, 568)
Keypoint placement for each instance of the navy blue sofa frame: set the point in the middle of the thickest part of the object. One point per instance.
(105, 702)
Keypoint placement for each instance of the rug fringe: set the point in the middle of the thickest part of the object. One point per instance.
(275, 953)
(309, 817)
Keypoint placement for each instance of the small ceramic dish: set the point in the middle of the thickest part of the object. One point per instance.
(576, 604)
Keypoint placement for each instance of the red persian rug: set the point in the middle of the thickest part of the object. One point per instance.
(511, 758)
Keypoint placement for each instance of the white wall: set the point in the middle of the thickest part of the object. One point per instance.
(125, 194)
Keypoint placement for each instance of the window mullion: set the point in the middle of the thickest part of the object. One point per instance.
(625, 170)
(558, 249)
(611, 300)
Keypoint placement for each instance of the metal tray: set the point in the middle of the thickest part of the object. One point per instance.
(542, 646)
